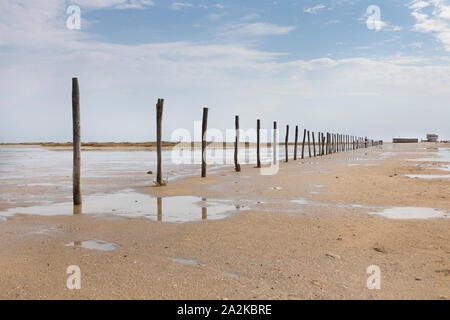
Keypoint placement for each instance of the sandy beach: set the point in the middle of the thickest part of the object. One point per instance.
(308, 232)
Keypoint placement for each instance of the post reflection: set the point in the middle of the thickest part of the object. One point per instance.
(77, 209)
(159, 202)
(204, 210)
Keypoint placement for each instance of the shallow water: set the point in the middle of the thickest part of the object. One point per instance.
(93, 245)
(46, 174)
(187, 261)
(428, 176)
(411, 213)
(134, 205)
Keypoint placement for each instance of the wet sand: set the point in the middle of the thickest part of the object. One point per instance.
(272, 247)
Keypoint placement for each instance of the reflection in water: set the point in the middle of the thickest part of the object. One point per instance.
(77, 209)
(159, 201)
(204, 210)
(135, 205)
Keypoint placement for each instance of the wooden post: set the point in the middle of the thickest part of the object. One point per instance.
(237, 166)
(159, 113)
(296, 142)
(309, 144)
(275, 143)
(204, 128)
(318, 143)
(303, 145)
(76, 142)
(323, 144)
(286, 144)
(314, 144)
(258, 141)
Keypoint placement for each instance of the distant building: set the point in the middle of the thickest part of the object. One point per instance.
(405, 140)
(432, 137)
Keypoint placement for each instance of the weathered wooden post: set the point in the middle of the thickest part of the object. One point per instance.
(76, 142)
(323, 144)
(286, 144)
(159, 113)
(309, 144)
(275, 143)
(237, 166)
(204, 129)
(314, 144)
(258, 141)
(296, 142)
(303, 144)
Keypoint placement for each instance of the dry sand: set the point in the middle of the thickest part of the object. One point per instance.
(270, 249)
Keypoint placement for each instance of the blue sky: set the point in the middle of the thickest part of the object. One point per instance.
(316, 64)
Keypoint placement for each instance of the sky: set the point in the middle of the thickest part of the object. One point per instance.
(378, 68)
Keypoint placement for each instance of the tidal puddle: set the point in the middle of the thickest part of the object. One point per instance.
(93, 245)
(428, 176)
(411, 213)
(301, 201)
(276, 188)
(135, 205)
(191, 262)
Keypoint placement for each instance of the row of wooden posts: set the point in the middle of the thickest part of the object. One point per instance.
(328, 143)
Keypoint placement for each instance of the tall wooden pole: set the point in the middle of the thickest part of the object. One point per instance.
(323, 144)
(76, 142)
(303, 144)
(159, 113)
(314, 144)
(275, 143)
(309, 144)
(237, 166)
(296, 143)
(204, 128)
(286, 144)
(258, 141)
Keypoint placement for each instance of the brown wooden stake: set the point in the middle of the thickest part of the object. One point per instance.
(314, 144)
(303, 144)
(309, 144)
(159, 113)
(76, 142)
(237, 166)
(286, 144)
(296, 143)
(275, 143)
(258, 141)
(204, 128)
(323, 144)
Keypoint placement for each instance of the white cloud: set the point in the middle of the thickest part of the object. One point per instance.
(436, 22)
(257, 29)
(314, 9)
(116, 4)
(181, 5)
